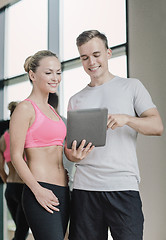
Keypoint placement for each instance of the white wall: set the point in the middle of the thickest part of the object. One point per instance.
(147, 62)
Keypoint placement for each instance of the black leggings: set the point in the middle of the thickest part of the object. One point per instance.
(45, 225)
(13, 195)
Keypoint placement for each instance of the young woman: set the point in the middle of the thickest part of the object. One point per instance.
(37, 128)
(14, 185)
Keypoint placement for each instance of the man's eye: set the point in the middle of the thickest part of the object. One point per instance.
(48, 72)
(84, 58)
(59, 73)
(97, 55)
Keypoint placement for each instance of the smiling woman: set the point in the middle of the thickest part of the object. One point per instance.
(40, 131)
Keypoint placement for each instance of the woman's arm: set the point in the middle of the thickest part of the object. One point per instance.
(149, 123)
(21, 119)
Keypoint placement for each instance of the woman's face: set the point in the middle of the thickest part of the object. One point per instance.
(48, 75)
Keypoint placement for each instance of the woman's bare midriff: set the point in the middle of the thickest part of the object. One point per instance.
(46, 164)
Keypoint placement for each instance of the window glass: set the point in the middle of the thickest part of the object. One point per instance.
(26, 32)
(118, 66)
(107, 16)
(76, 79)
(73, 81)
(16, 92)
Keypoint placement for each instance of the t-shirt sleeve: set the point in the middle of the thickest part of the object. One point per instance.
(142, 99)
(69, 108)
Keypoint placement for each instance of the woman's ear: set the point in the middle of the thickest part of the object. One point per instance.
(109, 52)
(32, 75)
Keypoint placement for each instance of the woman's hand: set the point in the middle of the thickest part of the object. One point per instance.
(47, 199)
(77, 154)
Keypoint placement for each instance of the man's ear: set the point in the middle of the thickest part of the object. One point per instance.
(109, 53)
(32, 75)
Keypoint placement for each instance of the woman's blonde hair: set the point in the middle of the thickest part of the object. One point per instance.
(33, 62)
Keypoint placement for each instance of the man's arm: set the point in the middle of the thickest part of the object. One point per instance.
(149, 123)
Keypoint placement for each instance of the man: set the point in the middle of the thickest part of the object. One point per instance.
(106, 184)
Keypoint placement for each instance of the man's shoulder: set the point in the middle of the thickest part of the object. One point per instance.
(78, 94)
(129, 81)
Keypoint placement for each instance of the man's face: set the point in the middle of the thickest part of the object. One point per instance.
(94, 57)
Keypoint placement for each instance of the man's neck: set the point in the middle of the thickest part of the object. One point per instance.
(99, 81)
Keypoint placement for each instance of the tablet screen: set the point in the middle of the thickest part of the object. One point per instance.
(88, 124)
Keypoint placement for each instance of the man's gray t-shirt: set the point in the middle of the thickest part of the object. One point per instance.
(113, 167)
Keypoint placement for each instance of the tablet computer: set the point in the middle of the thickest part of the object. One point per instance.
(88, 124)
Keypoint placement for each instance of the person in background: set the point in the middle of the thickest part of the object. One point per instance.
(53, 100)
(14, 187)
(106, 183)
(36, 128)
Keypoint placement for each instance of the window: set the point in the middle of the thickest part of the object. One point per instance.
(108, 16)
(26, 32)
(16, 92)
(73, 81)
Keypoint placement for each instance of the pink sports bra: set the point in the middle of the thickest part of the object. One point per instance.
(44, 131)
(6, 153)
